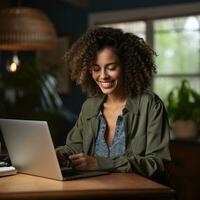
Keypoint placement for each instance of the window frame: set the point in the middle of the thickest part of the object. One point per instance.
(143, 14)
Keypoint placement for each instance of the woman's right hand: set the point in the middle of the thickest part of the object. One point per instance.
(63, 159)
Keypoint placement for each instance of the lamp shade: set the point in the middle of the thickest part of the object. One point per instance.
(26, 29)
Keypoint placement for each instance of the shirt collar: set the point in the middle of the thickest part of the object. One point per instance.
(95, 106)
(132, 105)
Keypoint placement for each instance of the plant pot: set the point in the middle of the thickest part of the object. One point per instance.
(185, 129)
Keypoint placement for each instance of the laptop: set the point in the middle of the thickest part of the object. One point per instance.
(31, 150)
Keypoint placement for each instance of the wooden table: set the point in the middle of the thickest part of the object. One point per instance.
(116, 185)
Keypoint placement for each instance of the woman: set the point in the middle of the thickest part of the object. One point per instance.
(123, 126)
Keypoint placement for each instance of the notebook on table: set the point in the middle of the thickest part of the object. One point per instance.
(31, 150)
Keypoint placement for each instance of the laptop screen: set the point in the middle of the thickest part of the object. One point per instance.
(30, 147)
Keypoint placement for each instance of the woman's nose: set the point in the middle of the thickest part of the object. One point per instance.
(104, 74)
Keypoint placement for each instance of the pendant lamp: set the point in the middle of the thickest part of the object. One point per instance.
(26, 29)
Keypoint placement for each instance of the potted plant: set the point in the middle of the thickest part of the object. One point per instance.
(183, 106)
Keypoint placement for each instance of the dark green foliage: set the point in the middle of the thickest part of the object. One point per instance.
(27, 91)
(183, 103)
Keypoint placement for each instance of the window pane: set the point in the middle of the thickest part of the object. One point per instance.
(177, 43)
(163, 85)
(181, 23)
(138, 28)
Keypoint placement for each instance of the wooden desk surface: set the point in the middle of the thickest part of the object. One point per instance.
(114, 185)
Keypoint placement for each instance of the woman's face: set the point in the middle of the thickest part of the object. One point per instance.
(107, 72)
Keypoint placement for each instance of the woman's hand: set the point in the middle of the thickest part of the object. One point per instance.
(83, 162)
(63, 159)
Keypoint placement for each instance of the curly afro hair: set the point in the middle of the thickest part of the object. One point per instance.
(136, 56)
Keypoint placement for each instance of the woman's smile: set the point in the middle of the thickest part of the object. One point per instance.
(107, 84)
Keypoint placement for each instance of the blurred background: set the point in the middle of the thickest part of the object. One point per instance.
(35, 81)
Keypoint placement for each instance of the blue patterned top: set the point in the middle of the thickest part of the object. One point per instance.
(117, 147)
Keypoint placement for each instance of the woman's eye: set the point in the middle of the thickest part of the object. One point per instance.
(95, 68)
(112, 67)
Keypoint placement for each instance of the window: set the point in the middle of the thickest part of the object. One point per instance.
(176, 40)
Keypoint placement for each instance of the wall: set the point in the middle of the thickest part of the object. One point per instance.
(65, 17)
(105, 5)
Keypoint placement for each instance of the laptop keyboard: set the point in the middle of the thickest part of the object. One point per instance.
(70, 173)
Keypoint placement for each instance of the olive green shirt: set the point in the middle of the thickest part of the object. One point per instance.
(147, 135)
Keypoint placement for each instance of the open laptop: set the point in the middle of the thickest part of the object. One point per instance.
(31, 150)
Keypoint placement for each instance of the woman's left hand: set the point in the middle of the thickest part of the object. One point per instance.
(83, 162)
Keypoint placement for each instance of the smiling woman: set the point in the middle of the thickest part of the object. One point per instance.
(107, 72)
(123, 126)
